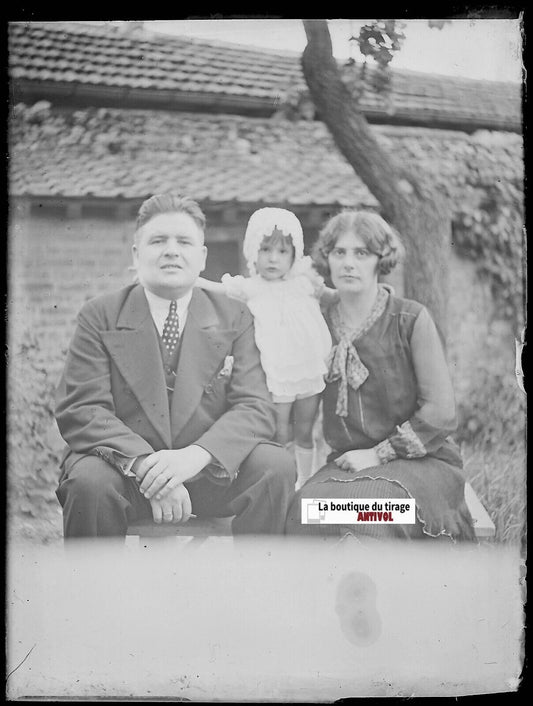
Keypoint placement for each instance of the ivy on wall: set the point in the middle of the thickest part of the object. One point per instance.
(489, 230)
(35, 447)
(482, 175)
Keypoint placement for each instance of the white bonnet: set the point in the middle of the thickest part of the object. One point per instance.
(262, 222)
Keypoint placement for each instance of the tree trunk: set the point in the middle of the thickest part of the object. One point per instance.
(419, 213)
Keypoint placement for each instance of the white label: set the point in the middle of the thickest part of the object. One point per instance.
(335, 511)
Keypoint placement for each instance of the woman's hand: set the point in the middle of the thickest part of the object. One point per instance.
(357, 460)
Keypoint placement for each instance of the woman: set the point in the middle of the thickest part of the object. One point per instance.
(388, 405)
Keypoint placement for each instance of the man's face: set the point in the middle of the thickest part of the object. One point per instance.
(169, 254)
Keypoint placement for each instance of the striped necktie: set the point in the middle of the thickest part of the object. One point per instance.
(171, 328)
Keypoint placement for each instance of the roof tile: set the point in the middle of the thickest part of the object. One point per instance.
(81, 54)
(111, 152)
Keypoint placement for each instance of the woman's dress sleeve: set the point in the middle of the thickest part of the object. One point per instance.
(435, 417)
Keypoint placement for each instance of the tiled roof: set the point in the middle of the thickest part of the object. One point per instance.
(102, 61)
(130, 154)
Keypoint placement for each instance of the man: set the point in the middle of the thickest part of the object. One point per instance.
(163, 401)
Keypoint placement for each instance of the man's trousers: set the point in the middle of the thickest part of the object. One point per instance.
(98, 501)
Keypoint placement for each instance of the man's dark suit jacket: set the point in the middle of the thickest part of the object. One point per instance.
(112, 399)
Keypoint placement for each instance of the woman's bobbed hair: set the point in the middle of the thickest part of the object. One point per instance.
(378, 236)
(169, 202)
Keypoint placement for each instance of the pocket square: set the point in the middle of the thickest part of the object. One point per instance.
(227, 367)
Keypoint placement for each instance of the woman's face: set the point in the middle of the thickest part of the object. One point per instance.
(353, 268)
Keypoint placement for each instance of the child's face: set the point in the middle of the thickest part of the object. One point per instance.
(275, 257)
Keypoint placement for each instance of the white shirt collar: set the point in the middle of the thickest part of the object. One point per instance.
(159, 309)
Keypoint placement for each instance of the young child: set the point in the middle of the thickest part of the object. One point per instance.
(293, 339)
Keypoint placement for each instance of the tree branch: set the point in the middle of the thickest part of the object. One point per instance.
(413, 207)
(348, 126)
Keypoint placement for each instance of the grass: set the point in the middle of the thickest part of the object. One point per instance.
(498, 476)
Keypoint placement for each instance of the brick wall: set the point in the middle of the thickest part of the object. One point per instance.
(56, 263)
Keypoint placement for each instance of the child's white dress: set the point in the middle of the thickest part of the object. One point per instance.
(292, 337)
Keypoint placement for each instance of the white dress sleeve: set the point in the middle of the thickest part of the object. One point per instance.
(236, 287)
(304, 269)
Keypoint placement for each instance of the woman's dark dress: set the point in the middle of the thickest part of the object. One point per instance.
(399, 409)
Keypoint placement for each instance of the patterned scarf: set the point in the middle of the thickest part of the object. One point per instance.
(344, 363)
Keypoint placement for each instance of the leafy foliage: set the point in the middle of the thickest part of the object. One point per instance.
(489, 230)
(378, 40)
(34, 443)
(482, 176)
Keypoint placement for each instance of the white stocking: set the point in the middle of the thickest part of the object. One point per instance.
(304, 464)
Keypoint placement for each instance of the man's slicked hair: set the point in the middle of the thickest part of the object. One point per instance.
(169, 202)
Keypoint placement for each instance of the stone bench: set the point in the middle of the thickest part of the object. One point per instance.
(483, 526)
(196, 529)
